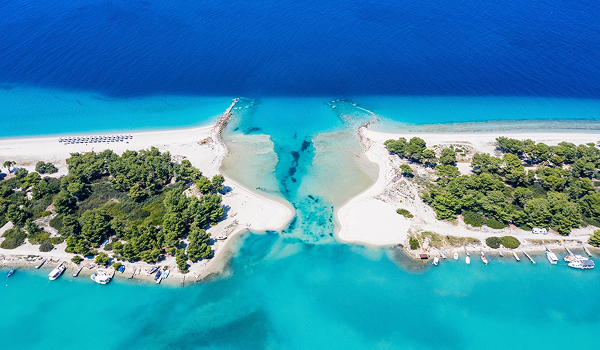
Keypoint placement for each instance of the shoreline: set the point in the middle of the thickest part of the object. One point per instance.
(370, 218)
(203, 147)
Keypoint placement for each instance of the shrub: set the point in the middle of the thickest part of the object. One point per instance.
(405, 213)
(13, 238)
(57, 240)
(41, 214)
(108, 246)
(117, 265)
(472, 218)
(57, 222)
(493, 242)
(77, 259)
(414, 243)
(46, 247)
(495, 224)
(102, 259)
(510, 242)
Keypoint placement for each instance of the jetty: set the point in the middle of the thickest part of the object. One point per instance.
(133, 272)
(466, 250)
(586, 250)
(568, 250)
(182, 280)
(77, 271)
(528, 256)
(516, 256)
(40, 264)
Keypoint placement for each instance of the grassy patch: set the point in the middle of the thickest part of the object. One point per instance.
(13, 238)
(405, 213)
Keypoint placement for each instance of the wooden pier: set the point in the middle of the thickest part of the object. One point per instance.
(528, 256)
(568, 250)
(40, 264)
(516, 256)
(77, 271)
(586, 250)
(133, 272)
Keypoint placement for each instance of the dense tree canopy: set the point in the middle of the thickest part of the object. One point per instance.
(558, 190)
(137, 199)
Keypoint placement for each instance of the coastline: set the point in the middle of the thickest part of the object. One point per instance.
(203, 147)
(370, 217)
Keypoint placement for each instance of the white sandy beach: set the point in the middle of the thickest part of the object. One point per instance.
(371, 218)
(202, 146)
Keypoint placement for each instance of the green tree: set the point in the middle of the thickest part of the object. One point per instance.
(77, 259)
(95, 226)
(595, 239)
(8, 164)
(181, 260)
(448, 156)
(406, 170)
(414, 243)
(136, 193)
(217, 183)
(102, 259)
(64, 203)
(204, 185)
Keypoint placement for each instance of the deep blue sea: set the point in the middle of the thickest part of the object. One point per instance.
(78, 66)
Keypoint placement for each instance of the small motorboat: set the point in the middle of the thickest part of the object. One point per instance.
(122, 268)
(484, 259)
(100, 277)
(436, 261)
(54, 274)
(10, 273)
(157, 276)
(455, 256)
(153, 270)
(582, 264)
(467, 260)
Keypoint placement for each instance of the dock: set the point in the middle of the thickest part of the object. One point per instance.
(528, 256)
(441, 254)
(586, 250)
(568, 250)
(133, 272)
(182, 280)
(516, 256)
(76, 273)
(40, 264)
(466, 250)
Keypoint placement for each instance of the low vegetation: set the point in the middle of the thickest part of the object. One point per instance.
(405, 213)
(435, 240)
(595, 239)
(558, 190)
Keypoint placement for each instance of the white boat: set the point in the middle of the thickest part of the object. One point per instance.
(436, 261)
(484, 259)
(54, 274)
(100, 277)
(583, 264)
(455, 256)
(165, 274)
(467, 260)
(572, 257)
(551, 257)
(221, 237)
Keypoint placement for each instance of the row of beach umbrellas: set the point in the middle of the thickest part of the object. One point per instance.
(91, 139)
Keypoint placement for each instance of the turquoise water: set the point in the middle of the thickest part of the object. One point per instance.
(27, 111)
(286, 294)
(299, 288)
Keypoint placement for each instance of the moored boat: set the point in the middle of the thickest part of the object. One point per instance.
(157, 277)
(467, 260)
(551, 257)
(572, 257)
(484, 259)
(153, 270)
(54, 274)
(10, 273)
(455, 256)
(122, 268)
(100, 277)
(583, 264)
(436, 261)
